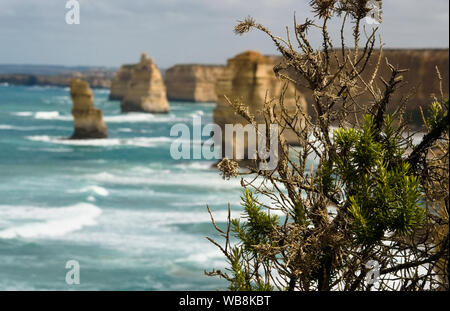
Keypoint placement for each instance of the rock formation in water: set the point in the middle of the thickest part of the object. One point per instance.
(120, 82)
(193, 83)
(145, 91)
(87, 120)
(247, 77)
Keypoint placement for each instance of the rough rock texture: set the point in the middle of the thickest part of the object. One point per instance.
(247, 77)
(421, 78)
(146, 91)
(194, 83)
(120, 82)
(87, 120)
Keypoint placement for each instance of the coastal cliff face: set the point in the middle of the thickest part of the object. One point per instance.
(96, 80)
(145, 91)
(120, 82)
(194, 83)
(248, 77)
(87, 120)
(420, 80)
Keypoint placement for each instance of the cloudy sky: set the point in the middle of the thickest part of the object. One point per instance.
(113, 32)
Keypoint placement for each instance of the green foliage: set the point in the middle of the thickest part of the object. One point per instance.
(391, 142)
(325, 172)
(436, 113)
(365, 172)
(258, 226)
(300, 214)
(382, 194)
(255, 231)
(241, 276)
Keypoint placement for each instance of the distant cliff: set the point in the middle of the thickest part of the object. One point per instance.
(420, 79)
(96, 80)
(249, 78)
(191, 82)
(145, 92)
(87, 120)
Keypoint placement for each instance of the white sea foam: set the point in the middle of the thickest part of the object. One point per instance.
(40, 87)
(60, 100)
(46, 221)
(92, 189)
(101, 91)
(204, 180)
(57, 150)
(135, 117)
(166, 218)
(44, 115)
(50, 115)
(196, 165)
(106, 142)
(29, 128)
(22, 113)
(213, 258)
(197, 113)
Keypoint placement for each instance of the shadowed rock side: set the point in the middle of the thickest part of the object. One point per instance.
(421, 79)
(87, 120)
(146, 91)
(247, 77)
(120, 82)
(194, 83)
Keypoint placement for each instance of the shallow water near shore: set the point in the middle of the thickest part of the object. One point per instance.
(133, 217)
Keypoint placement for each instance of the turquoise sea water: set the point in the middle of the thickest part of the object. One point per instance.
(134, 218)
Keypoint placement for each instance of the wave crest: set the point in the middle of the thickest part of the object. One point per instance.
(45, 221)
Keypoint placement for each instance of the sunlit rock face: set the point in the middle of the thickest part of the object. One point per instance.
(145, 91)
(249, 78)
(87, 120)
(192, 83)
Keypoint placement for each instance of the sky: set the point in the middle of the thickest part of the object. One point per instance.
(113, 32)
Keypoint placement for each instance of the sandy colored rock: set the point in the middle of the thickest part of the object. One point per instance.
(87, 120)
(120, 82)
(421, 79)
(247, 77)
(145, 91)
(191, 82)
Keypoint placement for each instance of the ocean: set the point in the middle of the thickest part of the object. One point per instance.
(134, 218)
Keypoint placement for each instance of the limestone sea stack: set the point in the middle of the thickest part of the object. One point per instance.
(145, 91)
(247, 77)
(120, 82)
(192, 82)
(87, 120)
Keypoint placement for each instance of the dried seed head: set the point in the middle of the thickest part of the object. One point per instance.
(244, 26)
(323, 8)
(228, 168)
(241, 109)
